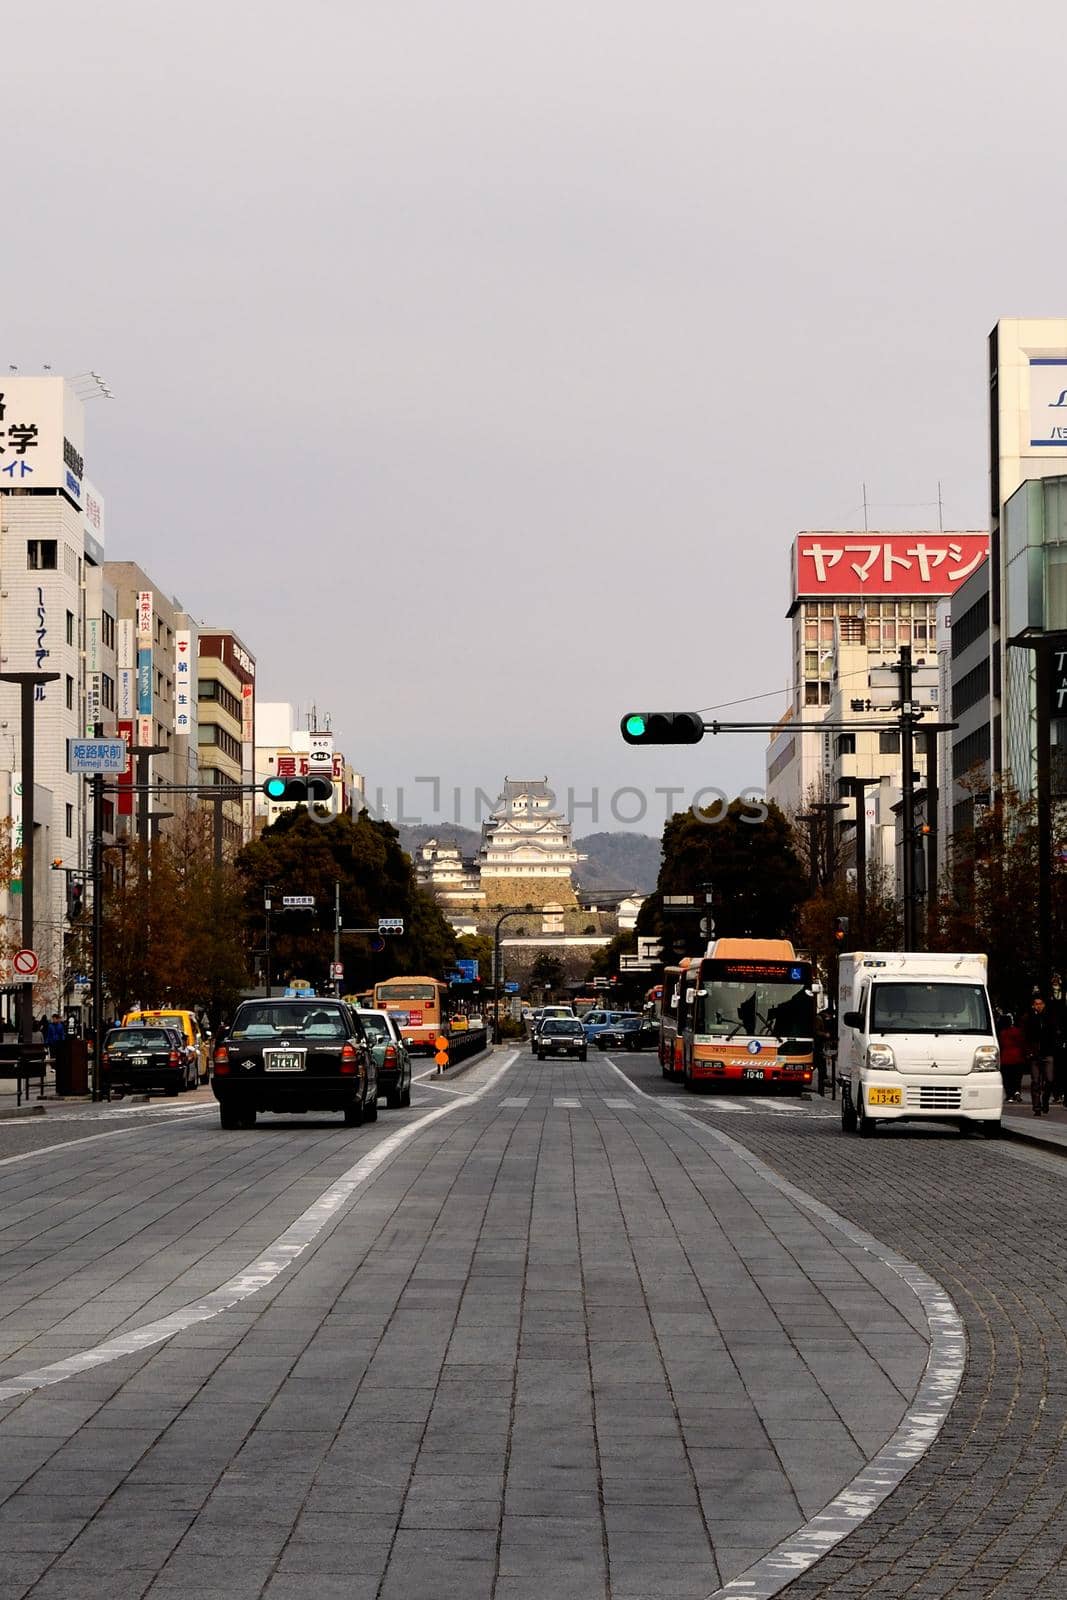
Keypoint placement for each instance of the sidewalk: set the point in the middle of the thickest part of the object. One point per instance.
(1049, 1130)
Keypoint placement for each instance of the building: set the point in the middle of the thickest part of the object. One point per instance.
(970, 659)
(226, 729)
(156, 695)
(527, 853)
(57, 614)
(871, 592)
(284, 750)
(1028, 520)
(453, 880)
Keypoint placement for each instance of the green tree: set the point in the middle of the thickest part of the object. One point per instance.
(298, 856)
(748, 857)
(547, 973)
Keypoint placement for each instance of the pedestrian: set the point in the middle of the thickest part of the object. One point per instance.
(1013, 1056)
(1042, 1038)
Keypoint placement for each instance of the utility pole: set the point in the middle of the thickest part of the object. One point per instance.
(28, 683)
(859, 787)
(932, 804)
(907, 770)
(337, 934)
(268, 891)
(144, 753)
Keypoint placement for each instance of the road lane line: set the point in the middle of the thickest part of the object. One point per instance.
(918, 1428)
(278, 1256)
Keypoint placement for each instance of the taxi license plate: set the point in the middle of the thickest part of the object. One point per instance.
(138, 1061)
(283, 1061)
(752, 1072)
(883, 1097)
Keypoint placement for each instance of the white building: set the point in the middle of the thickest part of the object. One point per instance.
(875, 592)
(525, 838)
(57, 614)
(284, 750)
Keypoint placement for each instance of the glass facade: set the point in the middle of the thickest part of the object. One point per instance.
(1034, 528)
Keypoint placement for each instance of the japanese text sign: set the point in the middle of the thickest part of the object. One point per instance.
(891, 564)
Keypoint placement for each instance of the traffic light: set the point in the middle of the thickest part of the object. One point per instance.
(840, 930)
(297, 791)
(663, 727)
(75, 897)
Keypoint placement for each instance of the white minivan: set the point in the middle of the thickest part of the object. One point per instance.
(916, 1041)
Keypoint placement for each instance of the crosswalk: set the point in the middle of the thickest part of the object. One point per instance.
(719, 1105)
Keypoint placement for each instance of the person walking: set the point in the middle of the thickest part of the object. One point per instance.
(1013, 1056)
(1042, 1038)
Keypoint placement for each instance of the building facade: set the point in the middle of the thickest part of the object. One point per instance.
(284, 750)
(226, 729)
(527, 853)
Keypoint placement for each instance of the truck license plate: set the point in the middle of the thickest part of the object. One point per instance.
(752, 1072)
(883, 1097)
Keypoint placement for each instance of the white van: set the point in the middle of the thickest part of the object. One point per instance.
(916, 1041)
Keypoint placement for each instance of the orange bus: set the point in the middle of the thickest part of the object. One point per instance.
(744, 1013)
(418, 1006)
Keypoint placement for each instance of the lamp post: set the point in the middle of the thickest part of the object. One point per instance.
(28, 683)
(498, 975)
(858, 788)
(1050, 672)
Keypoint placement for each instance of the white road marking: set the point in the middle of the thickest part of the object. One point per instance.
(568, 1105)
(515, 1102)
(286, 1248)
(618, 1105)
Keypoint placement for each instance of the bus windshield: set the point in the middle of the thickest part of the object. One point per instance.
(406, 991)
(756, 1007)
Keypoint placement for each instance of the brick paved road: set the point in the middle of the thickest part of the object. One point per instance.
(561, 1343)
(985, 1512)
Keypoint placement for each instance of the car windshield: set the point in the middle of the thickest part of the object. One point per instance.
(375, 1027)
(929, 1008)
(562, 1025)
(261, 1020)
(139, 1039)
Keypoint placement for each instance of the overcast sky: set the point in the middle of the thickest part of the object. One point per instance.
(477, 361)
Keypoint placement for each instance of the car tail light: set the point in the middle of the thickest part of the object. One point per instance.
(222, 1059)
(173, 1058)
(349, 1059)
(389, 1059)
(105, 1059)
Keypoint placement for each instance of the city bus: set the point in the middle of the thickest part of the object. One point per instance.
(418, 1006)
(744, 1013)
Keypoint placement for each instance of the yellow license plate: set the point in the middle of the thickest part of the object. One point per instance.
(883, 1097)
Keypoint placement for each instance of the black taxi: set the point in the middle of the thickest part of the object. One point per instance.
(293, 1056)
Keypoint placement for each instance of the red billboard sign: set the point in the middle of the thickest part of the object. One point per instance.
(125, 783)
(891, 564)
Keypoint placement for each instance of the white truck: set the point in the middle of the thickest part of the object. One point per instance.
(916, 1041)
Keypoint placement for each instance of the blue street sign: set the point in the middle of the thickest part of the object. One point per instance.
(511, 988)
(465, 971)
(96, 755)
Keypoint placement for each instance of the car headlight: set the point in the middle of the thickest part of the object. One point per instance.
(881, 1058)
(987, 1058)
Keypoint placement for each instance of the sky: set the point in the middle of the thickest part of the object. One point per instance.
(479, 361)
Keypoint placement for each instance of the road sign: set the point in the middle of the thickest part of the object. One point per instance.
(96, 755)
(634, 964)
(25, 966)
(511, 988)
(337, 969)
(297, 902)
(390, 924)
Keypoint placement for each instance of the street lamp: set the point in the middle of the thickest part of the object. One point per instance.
(498, 975)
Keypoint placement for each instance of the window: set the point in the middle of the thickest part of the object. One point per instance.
(811, 693)
(70, 821)
(70, 627)
(824, 694)
(70, 692)
(107, 691)
(107, 630)
(888, 744)
(971, 688)
(846, 744)
(41, 555)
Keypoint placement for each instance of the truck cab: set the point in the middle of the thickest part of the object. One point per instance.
(916, 1041)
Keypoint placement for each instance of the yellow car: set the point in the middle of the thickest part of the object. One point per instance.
(457, 1024)
(186, 1022)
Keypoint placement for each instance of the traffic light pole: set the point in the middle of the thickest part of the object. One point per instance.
(97, 865)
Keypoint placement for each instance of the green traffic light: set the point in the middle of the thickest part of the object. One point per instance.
(635, 726)
(274, 788)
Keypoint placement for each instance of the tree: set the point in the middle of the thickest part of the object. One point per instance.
(547, 973)
(297, 856)
(173, 928)
(746, 858)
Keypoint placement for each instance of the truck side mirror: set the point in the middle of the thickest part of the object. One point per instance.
(853, 1019)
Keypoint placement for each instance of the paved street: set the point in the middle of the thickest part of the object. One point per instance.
(578, 1333)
